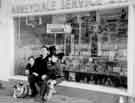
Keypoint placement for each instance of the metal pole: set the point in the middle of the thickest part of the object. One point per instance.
(55, 39)
(65, 44)
(19, 31)
(79, 21)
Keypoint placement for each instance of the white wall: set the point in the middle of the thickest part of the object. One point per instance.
(131, 51)
(6, 42)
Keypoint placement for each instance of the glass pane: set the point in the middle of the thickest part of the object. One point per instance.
(103, 49)
(95, 50)
(72, 19)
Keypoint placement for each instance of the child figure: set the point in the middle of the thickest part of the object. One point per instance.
(53, 72)
(30, 66)
(32, 75)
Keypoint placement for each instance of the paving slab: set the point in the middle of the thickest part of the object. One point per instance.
(54, 99)
(63, 95)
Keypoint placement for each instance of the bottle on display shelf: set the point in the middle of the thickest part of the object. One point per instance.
(94, 45)
(77, 78)
(108, 82)
(66, 75)
(121, 71)
(91, 81)
(103, 81)
(98, 81)
(85, 80)
(123, 14)
(95, 64)
(72, 76)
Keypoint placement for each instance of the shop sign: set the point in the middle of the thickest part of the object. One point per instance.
(58, 28)
(54, 5)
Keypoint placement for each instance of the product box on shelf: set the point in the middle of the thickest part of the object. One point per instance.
(72, 76)
(98, 71)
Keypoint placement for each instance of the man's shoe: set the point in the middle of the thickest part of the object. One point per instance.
(33, 94)
(43, 99)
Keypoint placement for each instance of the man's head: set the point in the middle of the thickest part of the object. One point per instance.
(52, 50)
(44, 51)
(54, 59)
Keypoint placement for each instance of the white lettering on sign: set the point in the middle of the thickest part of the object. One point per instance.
(53, 5)
(67, 4)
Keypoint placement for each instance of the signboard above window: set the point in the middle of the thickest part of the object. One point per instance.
(55, 5)
(33, 21)
(58, 28)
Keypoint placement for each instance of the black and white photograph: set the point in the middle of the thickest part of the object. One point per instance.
(67, 51)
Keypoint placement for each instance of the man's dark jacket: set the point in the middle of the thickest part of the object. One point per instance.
(41, 65)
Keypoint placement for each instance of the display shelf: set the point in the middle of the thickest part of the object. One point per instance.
(97, 73)
(98, 78)
(104, 71)
(97, 88)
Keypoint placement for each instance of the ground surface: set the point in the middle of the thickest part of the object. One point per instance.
(63, 95)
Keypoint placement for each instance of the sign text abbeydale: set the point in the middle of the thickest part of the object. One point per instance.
(53, 5)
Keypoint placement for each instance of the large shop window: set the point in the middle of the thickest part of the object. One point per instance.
(95, 50)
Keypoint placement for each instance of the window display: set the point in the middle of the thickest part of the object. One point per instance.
(95, 50)
(104, 37)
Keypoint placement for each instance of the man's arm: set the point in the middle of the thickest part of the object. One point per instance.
(27, 71)
(35, 71)
(35, 74)
(43, 77)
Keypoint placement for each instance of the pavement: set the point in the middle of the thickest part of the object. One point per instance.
(63, 95)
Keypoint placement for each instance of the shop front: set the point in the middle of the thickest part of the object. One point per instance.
(96, 38)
